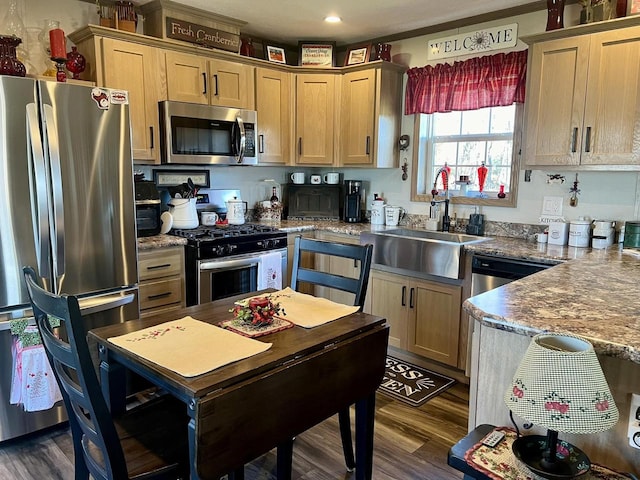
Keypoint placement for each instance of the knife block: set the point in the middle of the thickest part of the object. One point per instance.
(476, 224)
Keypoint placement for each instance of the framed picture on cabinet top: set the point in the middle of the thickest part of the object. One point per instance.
(633, 7)
(356, 55)
(316, 54)
(276, 54)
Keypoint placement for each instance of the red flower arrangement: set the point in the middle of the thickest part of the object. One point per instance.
(257, 311)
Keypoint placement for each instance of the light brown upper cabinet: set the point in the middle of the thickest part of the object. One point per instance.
(583, 101)
(198, 79)
(371, 113)
(138, 69)
(274, 107)
(316, 98)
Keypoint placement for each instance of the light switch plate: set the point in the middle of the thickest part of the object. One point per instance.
(552, 206)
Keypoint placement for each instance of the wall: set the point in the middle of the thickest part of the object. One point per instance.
(604, 195)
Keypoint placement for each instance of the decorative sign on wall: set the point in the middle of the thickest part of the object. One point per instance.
(494, 38)
(201, 35)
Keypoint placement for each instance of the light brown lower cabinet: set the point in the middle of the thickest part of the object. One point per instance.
(161, 273)
(424, 316)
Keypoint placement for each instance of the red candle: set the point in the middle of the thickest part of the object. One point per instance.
(58, 44)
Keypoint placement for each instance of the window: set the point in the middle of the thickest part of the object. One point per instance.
(464, 140)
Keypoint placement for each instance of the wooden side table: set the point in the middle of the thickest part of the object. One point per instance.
(480, 462)
(456, 455)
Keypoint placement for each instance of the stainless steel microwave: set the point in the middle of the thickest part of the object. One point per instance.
(204, 134)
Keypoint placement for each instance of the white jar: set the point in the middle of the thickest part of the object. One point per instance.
(558, 233)
(579, 233)
(377, 212)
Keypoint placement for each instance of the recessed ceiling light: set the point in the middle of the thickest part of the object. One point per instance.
(332, 19)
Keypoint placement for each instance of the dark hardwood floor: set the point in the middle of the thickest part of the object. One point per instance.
(410, 444)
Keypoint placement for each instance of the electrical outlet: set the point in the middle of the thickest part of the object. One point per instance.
(552, 206)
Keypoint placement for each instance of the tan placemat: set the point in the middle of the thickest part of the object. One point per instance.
(306, 310)
(189, 347)
(500, 463)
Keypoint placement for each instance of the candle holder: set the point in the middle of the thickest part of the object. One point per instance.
(61, 75)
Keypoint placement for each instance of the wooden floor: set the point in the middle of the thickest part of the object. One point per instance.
(410, 444)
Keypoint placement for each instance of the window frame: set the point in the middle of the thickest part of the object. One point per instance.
(418, 165)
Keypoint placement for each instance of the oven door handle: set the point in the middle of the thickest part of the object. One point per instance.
(229, 264)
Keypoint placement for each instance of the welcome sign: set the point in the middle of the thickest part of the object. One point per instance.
(494, 38)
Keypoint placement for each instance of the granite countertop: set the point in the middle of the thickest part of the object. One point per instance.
(589, 292)
(594, 295)
(160, 241)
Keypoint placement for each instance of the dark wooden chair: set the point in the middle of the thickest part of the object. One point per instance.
(357, 286)
(147, 442)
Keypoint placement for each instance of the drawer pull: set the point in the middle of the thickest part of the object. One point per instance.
(404, 294)
(155, 267)
(159, 295)
(411, 298)
(574, 139)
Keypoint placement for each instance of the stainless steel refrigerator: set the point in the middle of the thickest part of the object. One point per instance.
(67, 209)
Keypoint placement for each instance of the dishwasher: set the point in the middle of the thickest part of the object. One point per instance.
(489, 272)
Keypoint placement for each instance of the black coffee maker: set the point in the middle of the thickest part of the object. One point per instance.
(353, 201)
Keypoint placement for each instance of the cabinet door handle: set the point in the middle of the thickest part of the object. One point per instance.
(404, 294)
(155, 267)
(151, 136)
(411, 297)
(159, 295)
(574, 139)
(587, 140)
(368, 145)
(215, 78)
(260, 143)
(204, 83)
(300, 146)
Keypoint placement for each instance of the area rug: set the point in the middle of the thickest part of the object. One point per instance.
(411, 384)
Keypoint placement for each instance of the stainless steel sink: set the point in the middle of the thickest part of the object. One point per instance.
(437, 236)
(419, 252)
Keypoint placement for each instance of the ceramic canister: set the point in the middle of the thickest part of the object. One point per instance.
(579, 233)
(558, 233)
(377, 212)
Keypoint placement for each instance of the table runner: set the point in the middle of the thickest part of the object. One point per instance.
(500, 463)
(188, 346)
(306, 310)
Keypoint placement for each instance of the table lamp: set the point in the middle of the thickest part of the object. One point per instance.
(559, 385)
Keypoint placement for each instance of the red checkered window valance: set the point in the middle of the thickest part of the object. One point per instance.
(489, 81)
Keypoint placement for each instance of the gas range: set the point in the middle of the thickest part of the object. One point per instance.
(227, 240)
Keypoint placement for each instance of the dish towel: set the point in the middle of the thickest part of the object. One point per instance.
(33, 384)
(270, 271)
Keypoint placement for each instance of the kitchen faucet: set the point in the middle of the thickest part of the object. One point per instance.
(444, 171)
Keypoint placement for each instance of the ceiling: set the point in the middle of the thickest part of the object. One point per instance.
(288, 21)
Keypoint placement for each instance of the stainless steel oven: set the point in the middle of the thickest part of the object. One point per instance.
(233, 275)
(226, 260)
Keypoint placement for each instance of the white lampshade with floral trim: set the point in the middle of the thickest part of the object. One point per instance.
(560, 385)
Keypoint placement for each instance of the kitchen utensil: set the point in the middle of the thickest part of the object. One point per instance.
(377, 212)
(332, 178)
(209, 218)
(631, 235)
(236, 210)
(297, 177)
(184, 212)
(579, 232)
(393, 215)
(316, 179)
(542, 237)
(558, 233)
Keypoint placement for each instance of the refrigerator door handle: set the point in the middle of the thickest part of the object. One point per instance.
(56, 191)
(37, 180)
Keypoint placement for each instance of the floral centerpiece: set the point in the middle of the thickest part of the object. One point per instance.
(258, 311)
